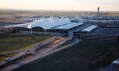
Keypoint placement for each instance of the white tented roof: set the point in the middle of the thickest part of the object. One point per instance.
(90, 28)
(45, 23)
(69, 26)
(49, 23)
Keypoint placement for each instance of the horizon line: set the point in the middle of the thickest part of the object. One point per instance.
(57, 10)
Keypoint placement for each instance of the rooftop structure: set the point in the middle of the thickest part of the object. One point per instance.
(50, 23)
(90, 28)
(106, 31)
(18, 25)
(69, 26)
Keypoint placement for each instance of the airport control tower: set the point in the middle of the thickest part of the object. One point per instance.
(98, 11)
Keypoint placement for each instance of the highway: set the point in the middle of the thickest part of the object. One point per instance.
(41, 54)
(24, 52)
(44, 43)
(45, 51)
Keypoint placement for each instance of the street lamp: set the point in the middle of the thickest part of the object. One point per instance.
(31, 31)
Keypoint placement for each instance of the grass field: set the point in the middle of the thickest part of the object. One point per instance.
(11, 42)
(14, 42)
(85, 56)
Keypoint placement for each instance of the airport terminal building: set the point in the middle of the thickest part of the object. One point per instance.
(85, 29)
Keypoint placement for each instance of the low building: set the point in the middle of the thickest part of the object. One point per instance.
(99, 33)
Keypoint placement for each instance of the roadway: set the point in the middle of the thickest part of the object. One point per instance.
(44, 43)
(45, 51)
(23, 52)
(52, 49)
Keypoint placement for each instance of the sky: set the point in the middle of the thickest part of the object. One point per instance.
(76, 5)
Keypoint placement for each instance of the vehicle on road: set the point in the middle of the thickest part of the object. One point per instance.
(8, 60)
(115, 63)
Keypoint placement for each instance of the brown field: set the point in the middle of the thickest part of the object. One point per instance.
(12, 13)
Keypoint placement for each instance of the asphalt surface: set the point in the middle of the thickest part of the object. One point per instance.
(42, 54)
(112, 68)
(45, 52)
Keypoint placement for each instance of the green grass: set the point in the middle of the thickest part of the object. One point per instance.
(84, 56)
(14, 42)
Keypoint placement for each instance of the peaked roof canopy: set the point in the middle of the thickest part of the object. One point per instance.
(49, 23)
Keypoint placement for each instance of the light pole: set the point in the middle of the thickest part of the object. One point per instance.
(31, 31)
